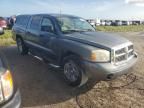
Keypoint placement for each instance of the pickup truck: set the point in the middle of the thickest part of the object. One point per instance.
(73, 44)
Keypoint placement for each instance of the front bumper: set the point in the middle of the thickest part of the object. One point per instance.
(108, 71)
(15, 102)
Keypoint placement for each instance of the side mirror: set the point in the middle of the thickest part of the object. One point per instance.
(47, 29)
(1, 31)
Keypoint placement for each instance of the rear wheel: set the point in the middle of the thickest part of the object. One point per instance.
(72, 70)
(22, 49)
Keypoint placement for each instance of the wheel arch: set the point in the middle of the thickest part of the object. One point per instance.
(18, 36)
(84, 77)
(66, 54)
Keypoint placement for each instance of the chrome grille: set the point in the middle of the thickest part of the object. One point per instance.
(120, 51)
(130, 47)
(120, 58)
(123, 54)
(130, 53)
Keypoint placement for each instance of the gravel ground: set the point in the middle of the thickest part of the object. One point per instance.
(42, 86)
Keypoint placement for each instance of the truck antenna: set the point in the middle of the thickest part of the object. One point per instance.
(60, 11)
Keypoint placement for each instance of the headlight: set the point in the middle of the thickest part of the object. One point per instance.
(6, 86)
(100, 55)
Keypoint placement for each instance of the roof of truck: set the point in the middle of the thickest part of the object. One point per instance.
(53, 15)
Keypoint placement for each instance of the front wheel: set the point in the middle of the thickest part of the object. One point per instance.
(73, 71)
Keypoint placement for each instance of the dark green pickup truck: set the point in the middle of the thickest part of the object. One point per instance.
(73, 44)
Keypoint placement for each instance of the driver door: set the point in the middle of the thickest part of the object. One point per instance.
(47, 39)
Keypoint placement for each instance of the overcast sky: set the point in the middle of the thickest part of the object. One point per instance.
(109, 9)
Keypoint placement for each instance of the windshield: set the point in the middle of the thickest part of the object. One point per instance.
(74, 24)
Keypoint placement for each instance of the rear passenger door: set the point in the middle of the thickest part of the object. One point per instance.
(33, 32)
(47, 38)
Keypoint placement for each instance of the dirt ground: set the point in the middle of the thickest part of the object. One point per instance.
(42, 86)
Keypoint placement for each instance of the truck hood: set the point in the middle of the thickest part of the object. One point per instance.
(100, 39)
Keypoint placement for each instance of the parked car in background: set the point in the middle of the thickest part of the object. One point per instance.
(12, 20)
(8, 22)
(126, 23)
(108, 23)
(116, 23)
(3, 22)
(1, 31)
(135, 22)
(102, 22)
(73, 44)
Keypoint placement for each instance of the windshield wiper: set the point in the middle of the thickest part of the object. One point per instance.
(76, 30)
(88, 30)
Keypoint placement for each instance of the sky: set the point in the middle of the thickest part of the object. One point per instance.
(104, 9)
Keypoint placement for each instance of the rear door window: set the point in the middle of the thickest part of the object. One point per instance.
(22, 20)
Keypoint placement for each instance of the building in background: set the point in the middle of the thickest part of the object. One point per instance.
(105, 22)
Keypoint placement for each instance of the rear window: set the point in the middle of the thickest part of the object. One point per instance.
(22, 20)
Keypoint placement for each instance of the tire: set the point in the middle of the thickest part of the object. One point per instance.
(72, 71)
(22, 49)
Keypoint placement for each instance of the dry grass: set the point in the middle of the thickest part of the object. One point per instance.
(131, 28)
